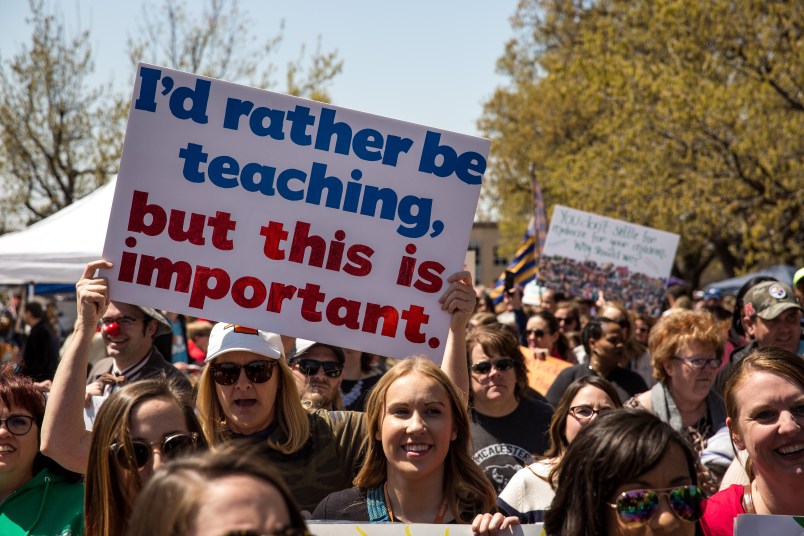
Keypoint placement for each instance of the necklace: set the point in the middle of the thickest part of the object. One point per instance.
(438, 518)
(354, 393)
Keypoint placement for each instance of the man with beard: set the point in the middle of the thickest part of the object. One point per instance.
(318, 369)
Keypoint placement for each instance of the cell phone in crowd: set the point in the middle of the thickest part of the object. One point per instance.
(509, 281)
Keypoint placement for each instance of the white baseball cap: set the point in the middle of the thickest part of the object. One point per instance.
(233, 338)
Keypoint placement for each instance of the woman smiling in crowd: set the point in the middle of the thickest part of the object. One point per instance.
(765, 406)
(36, 495)
(418, 468)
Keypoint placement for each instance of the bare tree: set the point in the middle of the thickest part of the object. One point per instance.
(220, 42)
(59, 139)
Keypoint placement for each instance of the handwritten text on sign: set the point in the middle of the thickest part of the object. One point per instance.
(585, 236)
(248, 206)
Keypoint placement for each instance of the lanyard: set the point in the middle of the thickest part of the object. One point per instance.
(438, 518)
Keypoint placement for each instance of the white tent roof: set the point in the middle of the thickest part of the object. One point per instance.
(56, 249)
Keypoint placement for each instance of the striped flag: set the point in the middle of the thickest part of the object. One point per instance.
(525, 262)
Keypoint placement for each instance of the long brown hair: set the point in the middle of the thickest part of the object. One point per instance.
(110, 490)
(466, 487)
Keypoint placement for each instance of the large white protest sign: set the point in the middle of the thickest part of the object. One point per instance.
(585, 253)
(280, 213)
(417, 529)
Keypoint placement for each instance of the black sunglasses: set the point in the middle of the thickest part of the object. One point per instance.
(484, 367)
(256, 371)
(309, 367)
(140, 453)
(535, 332)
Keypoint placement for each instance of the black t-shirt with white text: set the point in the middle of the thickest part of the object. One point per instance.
(504, 445)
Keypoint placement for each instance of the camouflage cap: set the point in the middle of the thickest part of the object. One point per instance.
(769, 299)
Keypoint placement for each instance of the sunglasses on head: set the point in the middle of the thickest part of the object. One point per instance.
(638, 506)
(256, 371)
(141, 451)
(484, 367)
(535, 332)
(309, 367)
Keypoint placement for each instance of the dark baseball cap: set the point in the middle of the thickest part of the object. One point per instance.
(769, 299)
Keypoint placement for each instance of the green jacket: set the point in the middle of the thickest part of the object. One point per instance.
(48, 504)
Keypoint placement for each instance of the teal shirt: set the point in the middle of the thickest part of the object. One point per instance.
(46, 505)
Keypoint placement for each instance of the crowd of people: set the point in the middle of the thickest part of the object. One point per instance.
(640, 292)
(591, 417)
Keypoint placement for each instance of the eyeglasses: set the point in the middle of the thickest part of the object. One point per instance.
(17, 424)
(567, 319)
(484, 367)
(641, 329)
(535, 332)
(637, 507)
(309, 367)
(256, 372)
(141, 451)
(120, 321)
(700, 362)
(586, 413)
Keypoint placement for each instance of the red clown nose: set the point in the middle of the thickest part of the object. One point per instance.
(112, 330)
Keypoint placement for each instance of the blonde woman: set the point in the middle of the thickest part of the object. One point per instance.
(418, 467)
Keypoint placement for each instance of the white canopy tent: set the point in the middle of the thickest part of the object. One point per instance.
(56, 249)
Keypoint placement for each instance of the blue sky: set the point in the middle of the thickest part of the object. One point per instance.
(425, 61)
